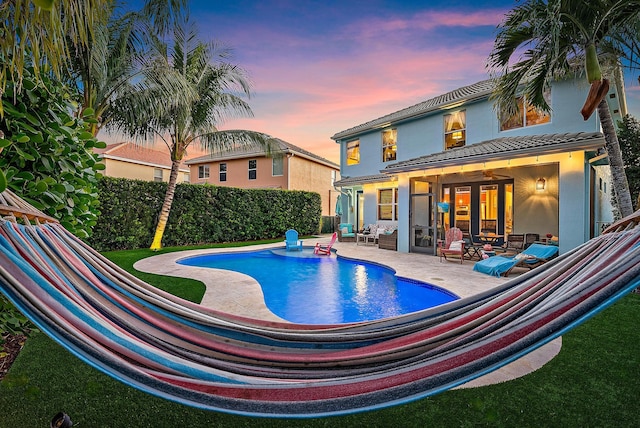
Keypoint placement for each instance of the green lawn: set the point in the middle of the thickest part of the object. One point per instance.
(594, 381)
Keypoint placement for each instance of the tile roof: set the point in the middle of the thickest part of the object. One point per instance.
(500, 148)
(243, 152)
(364, 179)
(130, 152)
(465, 94)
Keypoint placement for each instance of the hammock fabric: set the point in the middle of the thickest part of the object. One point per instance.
(184, 352)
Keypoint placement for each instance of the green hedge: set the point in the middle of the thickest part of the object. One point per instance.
(200, 214)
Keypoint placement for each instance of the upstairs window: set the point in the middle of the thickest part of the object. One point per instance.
(277, 166)
(528, 116)
(203, 171)
(157, 174)
(223, 171)
(389, 147)
(253, 169)
(388, 204)
(455, 129)
(353, 152)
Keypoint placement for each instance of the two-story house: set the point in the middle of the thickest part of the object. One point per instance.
(453, 161)
(288, 168)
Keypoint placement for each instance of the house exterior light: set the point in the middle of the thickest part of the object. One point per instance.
(540, 184)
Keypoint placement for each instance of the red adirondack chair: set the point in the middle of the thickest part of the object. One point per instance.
(325, 249)
(453, 244)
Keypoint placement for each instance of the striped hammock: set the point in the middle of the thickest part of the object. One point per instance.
(184, 352)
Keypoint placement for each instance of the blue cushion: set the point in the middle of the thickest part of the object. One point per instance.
(498, 265)
(495, 266)
(349, 227)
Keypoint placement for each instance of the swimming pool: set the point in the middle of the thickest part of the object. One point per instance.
(305, 288)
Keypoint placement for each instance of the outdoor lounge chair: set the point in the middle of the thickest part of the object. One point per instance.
(533, 256)
(325, 249)
(291, 241)
(453, 244)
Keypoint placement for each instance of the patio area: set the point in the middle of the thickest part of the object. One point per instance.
(239, 294)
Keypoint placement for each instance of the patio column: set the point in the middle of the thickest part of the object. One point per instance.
(403, 213)
(574, 195)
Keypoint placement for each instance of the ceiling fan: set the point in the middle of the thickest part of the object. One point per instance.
(489, 174)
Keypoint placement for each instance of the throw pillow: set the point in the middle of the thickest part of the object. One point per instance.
(456, 245)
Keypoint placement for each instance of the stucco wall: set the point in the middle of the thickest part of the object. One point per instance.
(134, 171)
(238, 174)
(527, 200)
(314, 177)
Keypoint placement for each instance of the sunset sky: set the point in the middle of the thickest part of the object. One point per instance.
(320, 67)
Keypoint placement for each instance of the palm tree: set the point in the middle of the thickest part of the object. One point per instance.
(82, 38)
(115, 70)
(205, 70)
(557, 38)
(36, 32)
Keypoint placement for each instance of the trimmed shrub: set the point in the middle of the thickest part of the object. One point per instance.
(199, 214)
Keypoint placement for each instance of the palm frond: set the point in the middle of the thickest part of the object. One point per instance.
(231, 140)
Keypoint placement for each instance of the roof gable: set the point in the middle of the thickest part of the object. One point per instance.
(465, 94)
(130, 152)
(282, 148)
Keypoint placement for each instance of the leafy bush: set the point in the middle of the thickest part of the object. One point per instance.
(12, 321)
(47, 156)
(200, 214)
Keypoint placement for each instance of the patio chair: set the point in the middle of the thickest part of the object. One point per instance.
(325, 249)
(534, 256)
(291, 241)
(513, 243)
(530, 238)
(453, 244)
(346, 233)
(471, 249)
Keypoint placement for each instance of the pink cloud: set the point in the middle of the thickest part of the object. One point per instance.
(305, 103)
(382, 28)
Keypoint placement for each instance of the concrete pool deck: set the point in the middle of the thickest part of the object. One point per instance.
(239, 294)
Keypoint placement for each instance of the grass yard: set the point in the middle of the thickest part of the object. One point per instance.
(594, 381)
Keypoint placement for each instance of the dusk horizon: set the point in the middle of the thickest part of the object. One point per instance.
(321, 68)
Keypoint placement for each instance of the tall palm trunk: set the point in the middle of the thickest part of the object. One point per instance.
(620, 183)
(166, 206)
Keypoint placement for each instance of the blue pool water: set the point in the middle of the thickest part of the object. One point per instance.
(304, 288)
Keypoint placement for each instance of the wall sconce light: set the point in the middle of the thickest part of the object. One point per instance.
(540, 184)
(457, 135)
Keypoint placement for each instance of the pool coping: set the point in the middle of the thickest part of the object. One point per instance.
(240, 294)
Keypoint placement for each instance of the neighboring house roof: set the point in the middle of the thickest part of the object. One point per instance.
(129, 152)
(465, 94)
(365, 179)
(501, 148)
(244, 152)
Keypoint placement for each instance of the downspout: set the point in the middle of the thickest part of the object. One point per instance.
(347, 193)
(289, 156)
